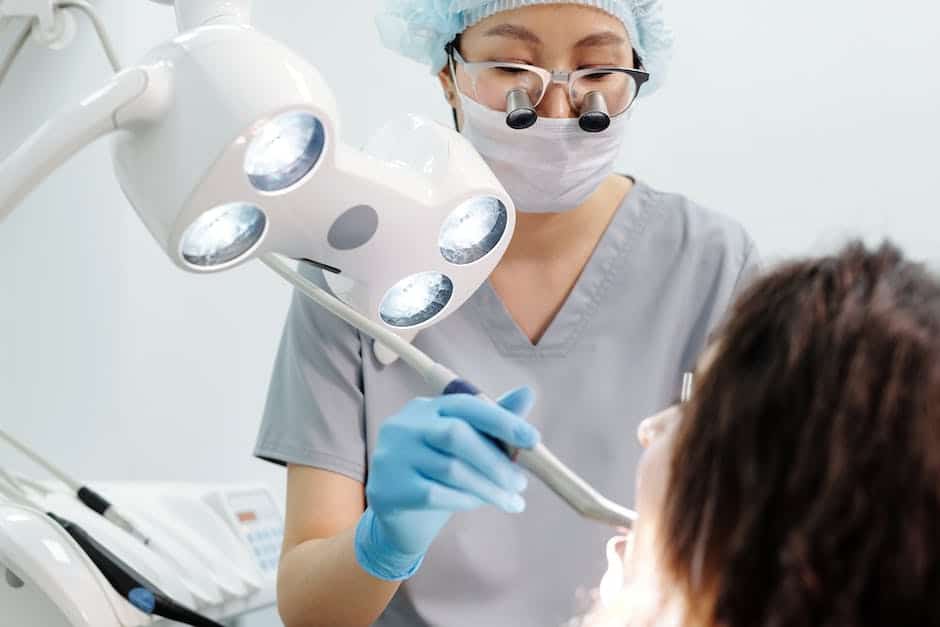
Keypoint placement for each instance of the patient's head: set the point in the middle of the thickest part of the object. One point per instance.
(803, 478)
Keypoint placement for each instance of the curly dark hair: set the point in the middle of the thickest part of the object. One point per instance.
(805, 479)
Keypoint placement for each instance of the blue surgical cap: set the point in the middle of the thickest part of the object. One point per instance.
(421, 29)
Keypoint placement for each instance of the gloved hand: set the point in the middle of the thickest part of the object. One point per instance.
(432, 460)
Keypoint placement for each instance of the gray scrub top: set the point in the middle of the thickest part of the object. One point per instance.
(659, 280)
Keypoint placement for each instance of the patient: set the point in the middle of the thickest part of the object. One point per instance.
(800, 487)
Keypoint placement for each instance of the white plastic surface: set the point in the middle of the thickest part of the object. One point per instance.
(184, 523)
(190, 112)
(62, 584)
(194, 13)
(63, 136)
(59, 586)
(194, 574)
(42, 10)
(252, 514)
(226, 82)
(121, 544)
(62, 33)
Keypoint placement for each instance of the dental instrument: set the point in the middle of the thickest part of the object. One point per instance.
(688, 380)
(204, 587)
(540, 461)
(124, 579)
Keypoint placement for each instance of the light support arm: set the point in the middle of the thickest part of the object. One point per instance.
(43, 11)
(124, 100)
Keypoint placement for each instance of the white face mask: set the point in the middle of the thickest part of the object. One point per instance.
(551, 167)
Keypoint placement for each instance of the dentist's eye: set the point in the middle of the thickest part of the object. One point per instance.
(511, 71)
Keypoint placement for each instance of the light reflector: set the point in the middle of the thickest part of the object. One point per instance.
(284, 150)
(473, 229)
(223, 234)
(416, 299)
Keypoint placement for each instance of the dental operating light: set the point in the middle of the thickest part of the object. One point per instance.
(284, 151)
(223, 234)
(473, 230)
(416, 299)
(227, 145)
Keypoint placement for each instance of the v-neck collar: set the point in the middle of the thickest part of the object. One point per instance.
(588, 293)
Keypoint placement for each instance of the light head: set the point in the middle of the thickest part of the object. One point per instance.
(229, 149)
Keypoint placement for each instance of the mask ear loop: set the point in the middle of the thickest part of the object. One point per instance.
(453, 77)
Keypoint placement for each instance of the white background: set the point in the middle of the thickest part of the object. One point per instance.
(808, 121)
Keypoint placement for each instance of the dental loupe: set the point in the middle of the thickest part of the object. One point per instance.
(520, 114)
(594, 116)
(227, 145)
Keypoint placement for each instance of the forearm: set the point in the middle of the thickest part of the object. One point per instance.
(320, 583)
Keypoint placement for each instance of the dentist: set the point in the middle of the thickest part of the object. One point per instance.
(604, 298)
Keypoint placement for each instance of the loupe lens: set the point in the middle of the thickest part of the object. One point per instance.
(416, 299)
(495, 85)
(284, 150)
(223, 234)
(472, 230)
(617, 88)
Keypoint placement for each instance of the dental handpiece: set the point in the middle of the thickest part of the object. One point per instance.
(560, 479)
(130, 584)
(539, 461)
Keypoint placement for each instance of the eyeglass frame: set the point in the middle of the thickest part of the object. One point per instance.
(549, 77)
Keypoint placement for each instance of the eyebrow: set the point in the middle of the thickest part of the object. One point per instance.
(514, 32)
(522, 33)
(601, 39)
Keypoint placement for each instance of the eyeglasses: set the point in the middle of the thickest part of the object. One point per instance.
(608, 90)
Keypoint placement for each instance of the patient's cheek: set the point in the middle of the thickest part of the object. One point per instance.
(653, 477)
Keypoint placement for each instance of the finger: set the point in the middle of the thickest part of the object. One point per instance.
(438, 496)
(489, 418)
(419, 493)
(456, 438)
(519, 401)
(454, 473)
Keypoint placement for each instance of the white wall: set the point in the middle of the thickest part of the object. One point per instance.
(807, 120)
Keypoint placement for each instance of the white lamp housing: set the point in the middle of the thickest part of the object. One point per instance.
(230, 150)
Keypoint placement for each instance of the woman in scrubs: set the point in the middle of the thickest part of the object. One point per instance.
(604, 298)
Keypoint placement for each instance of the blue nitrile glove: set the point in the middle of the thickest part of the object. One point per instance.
(432, 460)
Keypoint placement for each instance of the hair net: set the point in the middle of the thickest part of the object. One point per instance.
(421, 29)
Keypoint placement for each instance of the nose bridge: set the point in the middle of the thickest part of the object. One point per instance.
(560, 78)
(555, 103)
